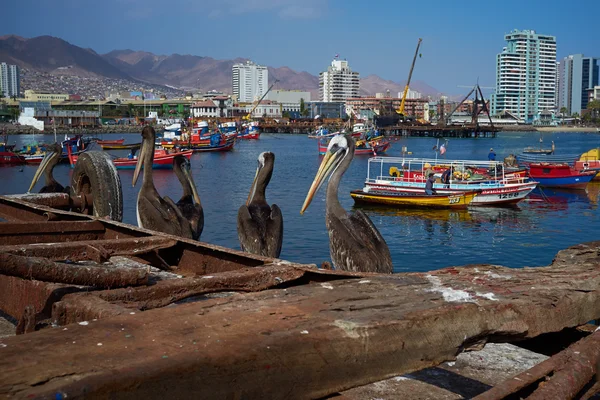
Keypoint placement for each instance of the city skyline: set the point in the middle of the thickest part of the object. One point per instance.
(459, 44)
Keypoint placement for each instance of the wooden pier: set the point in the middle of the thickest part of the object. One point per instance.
(197, 320)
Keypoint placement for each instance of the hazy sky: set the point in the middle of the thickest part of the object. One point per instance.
(460, 39)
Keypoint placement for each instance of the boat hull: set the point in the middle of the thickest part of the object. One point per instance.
(160, 162)
(489, 195)
(118, 141)
(460, 200)
(10, 158)
(560, 176)
(569, 182)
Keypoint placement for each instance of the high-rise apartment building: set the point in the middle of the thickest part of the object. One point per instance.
(249, 81)
(339, 82)
(576, 74)
(10, 81)
(526, 75)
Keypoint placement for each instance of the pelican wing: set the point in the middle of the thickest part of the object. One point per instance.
(248, 231)
(274, 234)
(183, 223)
(161, 215)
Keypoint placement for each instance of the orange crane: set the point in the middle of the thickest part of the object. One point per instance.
(412, 67)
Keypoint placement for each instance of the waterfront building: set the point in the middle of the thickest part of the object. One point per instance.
(289, 99)
(418, 108)
(249, 81)
(266, 109)
(32, 95)
(577, 74)
(339, 82)
(526, 75)
(205, 108)
(10, 80)
(411, 94)
(326, 109)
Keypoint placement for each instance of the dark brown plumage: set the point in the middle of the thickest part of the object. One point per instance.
(189, 204)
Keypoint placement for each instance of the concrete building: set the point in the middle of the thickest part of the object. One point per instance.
(266, 109)
(289, 99)
(249, 81)
(577, 74)
(31, 95)
(326, 109)
(339, 82)
(411, 94)
(10, 80)
(205, 108)
(418, 108)
(526, 75)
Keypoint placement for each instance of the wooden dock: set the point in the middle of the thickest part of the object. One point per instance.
(198, 320)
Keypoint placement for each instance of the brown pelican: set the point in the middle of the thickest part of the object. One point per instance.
(189, 204)
(153, 211)
(260, 227)
(53, 153)
(355, 244)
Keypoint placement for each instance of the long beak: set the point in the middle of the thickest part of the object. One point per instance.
(325, 169)
(140, 162)
(188, 175)
(43, 165)
(253, 187)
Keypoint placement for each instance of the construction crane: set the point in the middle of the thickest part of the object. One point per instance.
(412, 67)
(247, 116)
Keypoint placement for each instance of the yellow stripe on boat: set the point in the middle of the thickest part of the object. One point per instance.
(461, 200)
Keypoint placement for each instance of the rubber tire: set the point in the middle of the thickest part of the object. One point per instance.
(96, 174)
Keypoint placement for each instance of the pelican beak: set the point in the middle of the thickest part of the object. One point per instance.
(140, 161)
(188, 175)
(43, 165)
(253, 187)
(328, 165)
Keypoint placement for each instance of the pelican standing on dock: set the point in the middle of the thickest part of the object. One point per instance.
(53, 153)
(189, 204)
(153, 211)
(355, 244)
(260, 226)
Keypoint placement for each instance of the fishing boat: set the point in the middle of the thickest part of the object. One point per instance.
(121, 146)
(533, 150)
(110, 142)
(250, 130)
(560, 175)
(458, 200)
(590, 160)
(215, 142)
(163, 159)
(497, 186)
(363, 147)
(8, 156)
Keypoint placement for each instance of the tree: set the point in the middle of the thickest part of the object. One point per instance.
(563, 111)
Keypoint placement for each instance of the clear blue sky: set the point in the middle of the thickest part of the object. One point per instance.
(460, 39)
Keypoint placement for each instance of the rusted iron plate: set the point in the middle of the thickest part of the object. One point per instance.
(16, 294)
(54, 200)
(166, 292)
(562, 376)
(304, 341)
(95, 250)
(55, 231)
(86, 275)
(13, 209)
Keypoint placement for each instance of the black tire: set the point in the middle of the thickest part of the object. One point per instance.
(96, 174)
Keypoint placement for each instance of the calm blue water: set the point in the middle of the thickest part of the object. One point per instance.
(419, 240)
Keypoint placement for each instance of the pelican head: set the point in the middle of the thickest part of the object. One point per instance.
(265, 159)
(147, 147)
(53, 153)
(183, 169)
(338, 149)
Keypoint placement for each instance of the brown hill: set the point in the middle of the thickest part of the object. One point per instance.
(54, 55)
(47, 54)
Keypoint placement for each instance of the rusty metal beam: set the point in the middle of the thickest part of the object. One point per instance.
(305, 341)
(562, 376)
(92, 250)
(12, 233)
(75, 274)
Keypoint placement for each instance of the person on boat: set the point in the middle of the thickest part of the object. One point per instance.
(446, 177)
(492, 155)
(429, 190)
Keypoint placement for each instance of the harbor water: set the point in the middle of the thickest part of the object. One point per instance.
(529, 234)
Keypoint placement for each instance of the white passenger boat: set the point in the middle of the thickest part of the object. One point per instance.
(498, 185)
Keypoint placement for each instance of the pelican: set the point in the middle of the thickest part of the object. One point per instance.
(153, 211)
(260, 226)
(189, 204)
(355, 244)
(53, 153)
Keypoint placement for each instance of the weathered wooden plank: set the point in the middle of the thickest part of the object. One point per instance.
(305, 341)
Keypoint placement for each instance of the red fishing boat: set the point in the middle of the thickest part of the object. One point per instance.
(8, 157)
(560, 175)
(163, 159)
(214, 142)
(113, 142)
